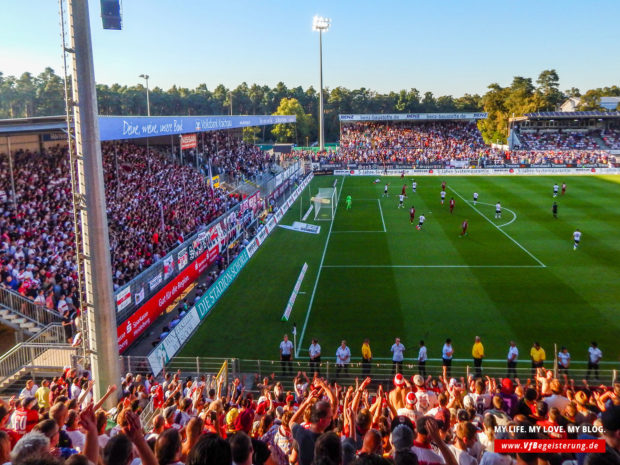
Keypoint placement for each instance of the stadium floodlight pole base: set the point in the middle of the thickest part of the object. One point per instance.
(100, 311)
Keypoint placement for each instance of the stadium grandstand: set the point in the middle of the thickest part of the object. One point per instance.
(168, 204)
(566, 137)
(169, 218)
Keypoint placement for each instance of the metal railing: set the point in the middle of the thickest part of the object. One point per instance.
(379, 371)
(148, 414)
(26, 308)
(35, 355)
(53, 333)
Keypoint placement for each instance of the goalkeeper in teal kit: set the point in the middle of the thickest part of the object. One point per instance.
(349, 202)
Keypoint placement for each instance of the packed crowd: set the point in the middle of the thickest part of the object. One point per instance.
(415, 420)
(233, 157)
(611, 138)
(560, 140)
(409, 143)
(152, 205)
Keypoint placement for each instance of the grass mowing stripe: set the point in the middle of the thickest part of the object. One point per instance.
(318, 274)
(381, 210)
(500, 229)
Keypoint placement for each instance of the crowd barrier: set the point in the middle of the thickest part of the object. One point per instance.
(252, 371)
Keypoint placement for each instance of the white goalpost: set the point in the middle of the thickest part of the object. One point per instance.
(325, 203)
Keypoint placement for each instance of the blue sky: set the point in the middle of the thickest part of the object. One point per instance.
(445, 46)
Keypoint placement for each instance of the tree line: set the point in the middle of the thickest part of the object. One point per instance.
(43, 95)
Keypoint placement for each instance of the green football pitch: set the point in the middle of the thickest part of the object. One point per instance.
(372, 274)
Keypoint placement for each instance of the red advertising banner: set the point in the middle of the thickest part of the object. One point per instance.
(188, 141)
(129, 330)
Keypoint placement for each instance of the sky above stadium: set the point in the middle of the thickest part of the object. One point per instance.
(447, 47)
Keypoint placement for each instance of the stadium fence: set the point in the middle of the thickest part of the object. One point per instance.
(380, 371)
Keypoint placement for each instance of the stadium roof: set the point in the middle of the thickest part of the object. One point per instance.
(36, 124)
(136, 127)
(573, 114)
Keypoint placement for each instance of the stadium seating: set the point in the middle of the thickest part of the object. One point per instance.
(559, 140)
(611, 138)
(36, 241)
(410, 142)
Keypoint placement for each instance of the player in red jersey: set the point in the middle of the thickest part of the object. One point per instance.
(563, 188)
(451, 204)
(464, 228)
(411, 214)
(404, 192)
(443, 186)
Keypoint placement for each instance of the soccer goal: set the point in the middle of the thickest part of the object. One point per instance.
(325, 203)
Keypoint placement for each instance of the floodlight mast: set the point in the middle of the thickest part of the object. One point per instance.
(148, 101)
(321, 24)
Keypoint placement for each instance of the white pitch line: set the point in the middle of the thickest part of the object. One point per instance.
(346, 232)
(433, 266)
(381, 210)
(318, 274)
(514, 215)
(499, 229)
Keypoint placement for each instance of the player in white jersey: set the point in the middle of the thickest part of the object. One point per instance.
(443, 196)
(576, 238)
(556, 188)
(385, 192)
(401, 199)
(421, 220)
(414, 186)
(498, 210)
(475, 197)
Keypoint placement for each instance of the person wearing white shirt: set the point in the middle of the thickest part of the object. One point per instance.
(343, 358)
(563, 360)
(513, 354)
(286, 353)
(594, 357)
(29, 390)
(397, 350)
(315, 357)
(465, 438)
(576, 239)
(422, 357)
(446, 354)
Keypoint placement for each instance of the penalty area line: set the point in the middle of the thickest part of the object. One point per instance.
(318, 274)
(499, 229)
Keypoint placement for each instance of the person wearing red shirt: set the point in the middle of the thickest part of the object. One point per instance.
(464, 228)
(4, 418)
(451, 204)
(443, 186)
(26, 417)
(411, 214)
(404, 191)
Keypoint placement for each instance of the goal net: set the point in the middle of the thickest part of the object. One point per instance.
(325, 203)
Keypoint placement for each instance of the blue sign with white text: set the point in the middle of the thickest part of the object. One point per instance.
(135, 127)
